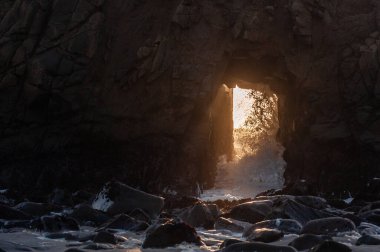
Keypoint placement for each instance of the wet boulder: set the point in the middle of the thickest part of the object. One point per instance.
(170, 234)
(265, 235)
(228, 224)
(105, 237)
(125, 222)
(99, 246)
(312, 201)
(331, 246)
(8, 213)
(257, 247)
(288, 208)
(117, 198)
(229, 242)
(139, 214)
(37, 209)
(254, 211)
(84, 213)
(16, 224)
(287, 226)
(61, 197)
(80, 236)
(198, 215)
(80, 197)
(55, 223)
(368, 240)
(328, 226)
(371, 216)
(368, 229)
(308, 241)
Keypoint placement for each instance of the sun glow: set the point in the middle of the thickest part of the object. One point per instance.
(242, 106)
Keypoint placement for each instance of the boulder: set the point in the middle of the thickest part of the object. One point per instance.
(176, 202)
(368, 240)
(371, 216)
(80, 197)
(99, 246)
(368, 229)
(140, 215)
(84, 213)
(307, 241)
(170, 234)
(125, 222)
(37, 209)
(8, 213)
(16, 224)
(224, 223)
(254, 211)
(61, 197)
(229, 242)
(328, 226)
(117, 198)
(312, 201)
(265, 235)
(55, 223)
(105, 237)
(354, 218)
(72, 236)
(331, 246)
(286, 207)
(257, 247)
(287, 226)
(198, 215)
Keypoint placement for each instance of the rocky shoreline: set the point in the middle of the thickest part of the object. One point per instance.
(121, 218)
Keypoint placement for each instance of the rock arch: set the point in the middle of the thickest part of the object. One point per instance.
(92, 90)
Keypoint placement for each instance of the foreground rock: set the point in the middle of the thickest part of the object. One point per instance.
(125, 222)
(265, 235)
(8, 213)
(287, 207)
(105, 237)
(37, 209)
(287, 226)
(308, 241)
(328, 226)
(84, 214)
(257, 247)
(228, 224)
(368, 240)
(252, 212)
(117, 198)
(55, 223)
(200, 215)
(331, 246)
(170, 234)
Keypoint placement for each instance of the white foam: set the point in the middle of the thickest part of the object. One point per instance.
(102, 202)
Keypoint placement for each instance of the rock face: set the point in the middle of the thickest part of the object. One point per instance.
(92, 89)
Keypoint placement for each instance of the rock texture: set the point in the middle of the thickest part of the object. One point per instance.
(92, 89)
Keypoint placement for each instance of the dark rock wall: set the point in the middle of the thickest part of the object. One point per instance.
(92, 89)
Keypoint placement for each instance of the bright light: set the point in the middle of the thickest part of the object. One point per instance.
(242, 106)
